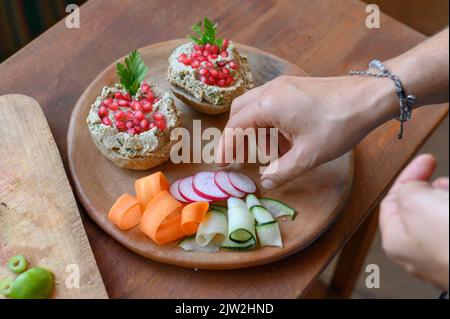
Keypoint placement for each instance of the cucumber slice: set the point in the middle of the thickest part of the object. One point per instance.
(269, 234)
(251, 200)
(277, 208)
(241, 224)
(234, 202)
(229, 244)
(261, 214)
(220, 208)
(213, 229)
(190, 244)
(241, 235)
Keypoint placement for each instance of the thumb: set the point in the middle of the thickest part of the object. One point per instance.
(286, 168)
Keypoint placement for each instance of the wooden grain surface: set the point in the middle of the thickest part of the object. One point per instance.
(38, 214)
(317, 196)
(324, 37)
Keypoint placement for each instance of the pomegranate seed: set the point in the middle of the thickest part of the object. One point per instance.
(118, 95)
(221, 82)
(123, 103)
(233, 65)
(126, 97)
(158, 116)
(131, 131)
(204, 79)
(195, 64)
(138, 129)
(205, 53)
(144, 124)
(187, 61)
(182, 57)
(106, 121)
(114, 106)
(229, 80)
(147, 106)
(145, 87)
(209, 65)
(210, 57)
(201, 59)
(136, 106)
(224, 54)
(156, 100)
(152, 125)
(208, 47)
(214, 49)
(220, 75)
(213, 72)
(136, 122)
(161, 125)
(212, 80)
(129, 125)
(221, 63)
(121, 126)
(225, 71)
(225, 43)
(198, 47)
(129, 116)
(102, 111)
(119, 115)
(203, 71)
(194, 55)
(107, 101)
(139, 115)
(214, 56)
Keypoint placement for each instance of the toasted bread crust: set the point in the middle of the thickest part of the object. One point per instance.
(138, 163)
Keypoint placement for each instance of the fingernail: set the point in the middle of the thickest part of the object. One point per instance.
(267, 184)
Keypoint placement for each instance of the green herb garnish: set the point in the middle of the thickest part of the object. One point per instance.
(132, 73)
(206, 32)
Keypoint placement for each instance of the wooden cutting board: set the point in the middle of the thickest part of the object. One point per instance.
(318, 196)
(38, 214)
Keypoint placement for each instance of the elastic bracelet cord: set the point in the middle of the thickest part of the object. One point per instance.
(406, 101)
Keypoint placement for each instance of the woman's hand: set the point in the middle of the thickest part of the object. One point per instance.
(414, 222)
(318, 119)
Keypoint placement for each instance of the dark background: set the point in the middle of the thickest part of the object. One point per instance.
(23, 20)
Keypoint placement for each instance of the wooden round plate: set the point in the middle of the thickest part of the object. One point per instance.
(318, 196)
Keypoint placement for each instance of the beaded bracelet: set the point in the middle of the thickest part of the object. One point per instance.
(406, 101)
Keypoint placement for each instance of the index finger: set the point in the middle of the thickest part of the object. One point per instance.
(247, 118)
(420, 169)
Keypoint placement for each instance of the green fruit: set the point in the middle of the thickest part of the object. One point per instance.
(17, 264)
(35, 283)
(5, 286)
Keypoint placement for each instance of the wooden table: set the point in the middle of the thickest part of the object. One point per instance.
(323, 37)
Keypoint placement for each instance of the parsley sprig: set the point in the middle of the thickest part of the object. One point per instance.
(132, 72)
(206, 32)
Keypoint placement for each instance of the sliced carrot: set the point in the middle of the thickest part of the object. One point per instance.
(159, 216)
(170, 230)
(147, 188)
(130, 218)
(192, 215)
(125, 212)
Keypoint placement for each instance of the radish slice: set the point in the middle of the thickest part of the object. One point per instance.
(205, 186)
(221, 180)
(187, 191)
(241, 182)
(175, 192)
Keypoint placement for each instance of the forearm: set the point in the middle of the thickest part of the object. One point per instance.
(423, 71)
